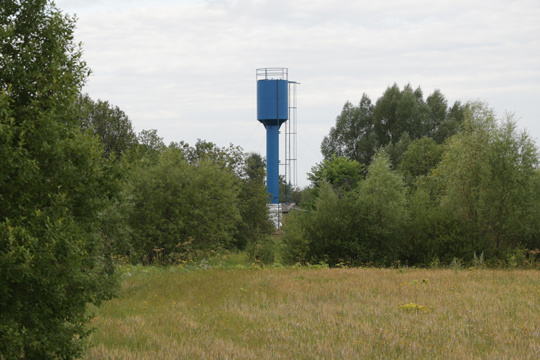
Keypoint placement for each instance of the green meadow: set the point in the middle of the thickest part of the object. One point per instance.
(204, 312)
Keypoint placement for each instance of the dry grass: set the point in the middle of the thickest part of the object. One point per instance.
(322, 314)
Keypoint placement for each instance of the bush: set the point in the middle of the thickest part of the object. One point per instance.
(264, 250)
(353, 228)
(175, 202)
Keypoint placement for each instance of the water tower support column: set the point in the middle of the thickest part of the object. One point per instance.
(272, 162)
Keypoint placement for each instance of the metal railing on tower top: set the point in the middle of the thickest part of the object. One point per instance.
(273, 74)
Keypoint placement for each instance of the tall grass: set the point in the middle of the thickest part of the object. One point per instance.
(321, 314)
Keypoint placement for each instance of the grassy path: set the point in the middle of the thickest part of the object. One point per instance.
(321, 314)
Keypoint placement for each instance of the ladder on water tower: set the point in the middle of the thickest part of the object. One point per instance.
(291, 150)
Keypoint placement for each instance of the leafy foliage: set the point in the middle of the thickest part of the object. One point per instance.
(328, 234)
(200, 197)
(382, 198)
(488, 172)
(475, 194)
(353, 136)
(230, 158)
(109, 123)
(340, 172)
(175, 202)
(251, 202)
(53, 185)
(420, 158)
(361, 130)
(353, 227)
(150, 145)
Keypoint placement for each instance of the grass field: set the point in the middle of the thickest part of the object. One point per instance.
(172, 313)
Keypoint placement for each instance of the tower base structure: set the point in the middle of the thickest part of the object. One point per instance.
(275, 213)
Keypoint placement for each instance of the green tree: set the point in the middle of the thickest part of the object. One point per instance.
(255, 167)
(361, 130)
(438, 110)
(488, 175)
(255, 226)
(431, 233)
(340, 172)
(353, 136)
(53, 186)
(150, 146)
(382, 198)
(231, 158)
(421, 157)
(176, 202)
(289, 193)
(481, 196)
(114, 226)
(397, 112)
(330, 233)
(396, 150)
(109, 123)
(451, 125)
(353, 227)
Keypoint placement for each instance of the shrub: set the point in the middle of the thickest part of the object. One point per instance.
(175, 202)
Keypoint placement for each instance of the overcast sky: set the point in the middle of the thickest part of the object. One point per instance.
(187, 67)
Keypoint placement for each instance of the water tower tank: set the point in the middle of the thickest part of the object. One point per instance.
(272, 101)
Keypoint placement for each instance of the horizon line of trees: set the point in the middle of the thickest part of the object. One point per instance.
(414, 181)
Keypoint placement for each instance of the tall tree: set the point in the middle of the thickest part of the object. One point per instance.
(255, 167)
(398, 111)
(252, 200)
(382, 197)
(109, 123)
(353, 136)
(361, 130)
(438, 109)
(488, 172)
(53, 186)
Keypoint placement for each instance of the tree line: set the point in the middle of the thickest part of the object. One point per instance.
(417, 182)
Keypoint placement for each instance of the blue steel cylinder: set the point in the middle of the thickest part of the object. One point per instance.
(272, 100)
(272, 111)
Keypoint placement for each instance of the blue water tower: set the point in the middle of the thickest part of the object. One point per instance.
(272, 111)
